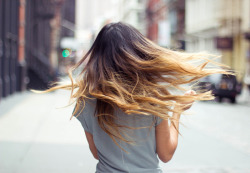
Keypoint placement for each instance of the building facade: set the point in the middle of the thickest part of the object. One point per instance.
(133, 12)
(29, 37)
(246, 38)
(91, 16)
(176, 18)
(220, 27)
(9, 47)
(158, 27)
(201, 25)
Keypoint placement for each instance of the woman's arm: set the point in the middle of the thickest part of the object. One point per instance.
(167, 139)
(167, 135)
(92, 146)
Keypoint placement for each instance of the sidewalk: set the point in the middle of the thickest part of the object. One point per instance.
(35, 137)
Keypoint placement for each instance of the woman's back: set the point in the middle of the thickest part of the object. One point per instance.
(140, 157)
(126, 71)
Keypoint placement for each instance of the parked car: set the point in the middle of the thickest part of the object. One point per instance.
(222, 86)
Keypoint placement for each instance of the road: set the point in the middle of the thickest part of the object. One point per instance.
(36, 136)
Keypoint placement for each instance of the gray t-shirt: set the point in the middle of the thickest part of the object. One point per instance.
(141, 157)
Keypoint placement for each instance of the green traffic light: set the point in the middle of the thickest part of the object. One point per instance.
(65, 53)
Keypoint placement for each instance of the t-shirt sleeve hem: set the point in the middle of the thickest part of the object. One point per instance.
(158, 120)
(84, 124)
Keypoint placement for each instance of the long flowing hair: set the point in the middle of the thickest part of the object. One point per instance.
(126, 70)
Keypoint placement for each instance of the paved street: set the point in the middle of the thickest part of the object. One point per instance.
(36, 136)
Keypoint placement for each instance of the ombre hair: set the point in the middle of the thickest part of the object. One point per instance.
(126, 70)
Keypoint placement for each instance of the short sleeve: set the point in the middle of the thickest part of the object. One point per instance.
(86, 116)
(158, 120)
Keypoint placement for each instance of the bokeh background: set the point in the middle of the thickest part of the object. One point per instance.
(41, 39)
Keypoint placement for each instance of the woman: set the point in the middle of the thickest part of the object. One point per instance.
(125, 102)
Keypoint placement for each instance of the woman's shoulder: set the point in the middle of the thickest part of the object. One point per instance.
(90, 99)
(85, 106)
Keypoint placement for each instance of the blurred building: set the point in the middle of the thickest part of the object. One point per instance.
(220, 26)
(42, 35)
(176, 18)
(92, 15)
(158, 27)
(9, 61)
(246, 39)
(133, 12)
(68, 17)
(66, 49)
(201, 25)
(29, 38)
